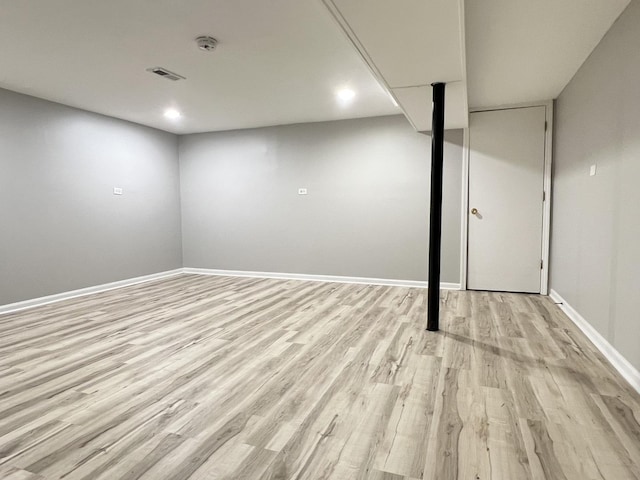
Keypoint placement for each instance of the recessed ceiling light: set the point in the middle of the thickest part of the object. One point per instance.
(172, 114)
(345, 95)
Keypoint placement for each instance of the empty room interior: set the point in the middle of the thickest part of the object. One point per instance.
(320, 239)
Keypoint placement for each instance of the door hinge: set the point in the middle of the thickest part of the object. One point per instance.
(544, 196)
(546, 125)
(541, 264)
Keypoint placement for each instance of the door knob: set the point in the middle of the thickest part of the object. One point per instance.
(474, 211)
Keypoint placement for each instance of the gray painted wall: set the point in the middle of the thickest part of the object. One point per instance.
(595, 261)
(62, 227)
(366, 213)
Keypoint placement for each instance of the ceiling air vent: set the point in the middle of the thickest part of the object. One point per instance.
(163, 72)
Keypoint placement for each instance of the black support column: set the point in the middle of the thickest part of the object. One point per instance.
(435, 220)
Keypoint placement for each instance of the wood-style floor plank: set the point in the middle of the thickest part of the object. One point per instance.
(205, 378)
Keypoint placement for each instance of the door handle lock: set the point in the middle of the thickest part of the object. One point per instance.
(474, 211)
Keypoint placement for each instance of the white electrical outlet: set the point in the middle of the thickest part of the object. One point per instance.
(592, 170)
(302, 191)
(117, 191)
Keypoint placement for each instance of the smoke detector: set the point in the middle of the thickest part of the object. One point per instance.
(206, 43)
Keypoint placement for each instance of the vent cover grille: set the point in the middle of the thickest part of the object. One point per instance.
(164, 73)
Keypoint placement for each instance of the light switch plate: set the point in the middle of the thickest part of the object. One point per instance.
(117, 191)
(302, 191)
(592, 170)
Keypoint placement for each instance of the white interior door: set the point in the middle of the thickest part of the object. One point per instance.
(506, 185)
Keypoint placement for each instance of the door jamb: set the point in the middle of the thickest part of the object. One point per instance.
(464, 239)
(546, 211)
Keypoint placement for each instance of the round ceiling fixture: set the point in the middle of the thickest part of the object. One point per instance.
(206, 43)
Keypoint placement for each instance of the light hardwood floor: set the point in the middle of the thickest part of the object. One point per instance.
(197, 377)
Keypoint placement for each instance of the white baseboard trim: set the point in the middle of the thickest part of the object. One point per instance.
(319, 278)
(36, 302)
(621, 364)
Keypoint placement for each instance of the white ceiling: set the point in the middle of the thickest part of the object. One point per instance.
(281, 61)
(410, 42)
(409, 45)
(278, 61)
(528, 50)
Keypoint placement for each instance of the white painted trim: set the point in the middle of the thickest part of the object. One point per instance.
(319, 278)
(548, 167)
(621, 364)
(36, 302)
(464, 228)
(546, 213)
(509, 106)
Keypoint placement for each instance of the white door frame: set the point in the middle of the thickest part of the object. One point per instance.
(546, 215)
